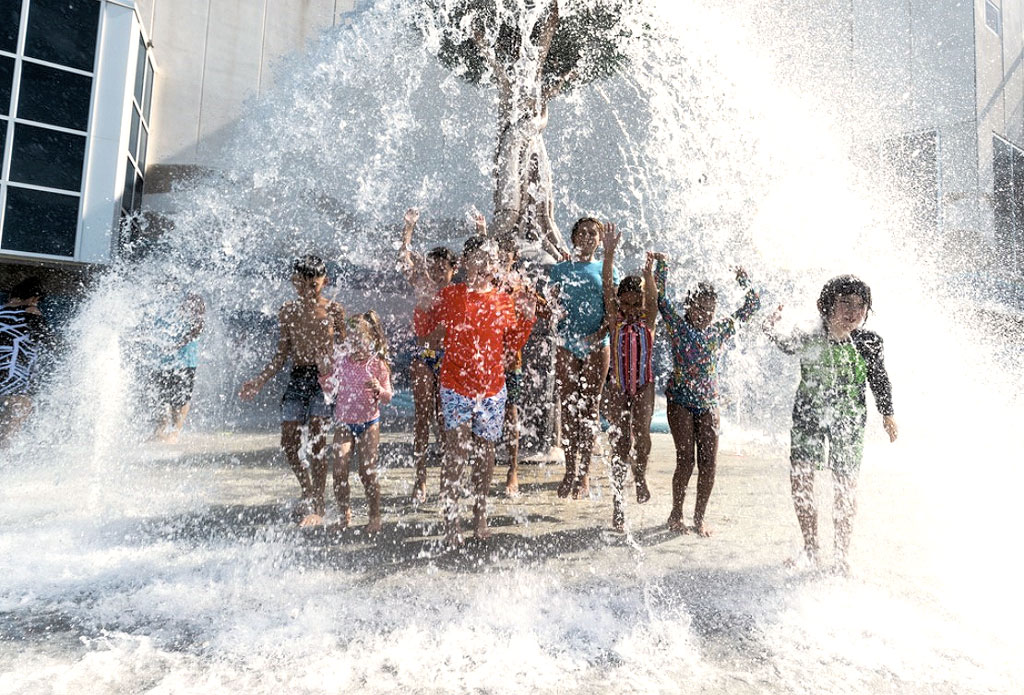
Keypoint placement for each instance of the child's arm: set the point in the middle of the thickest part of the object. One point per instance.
(253, 386)
(650, 293)
(751, 300)
(870, 345)
(382, 382)
(665, 306)
(551, 240)
(610, 240)
(411, 264)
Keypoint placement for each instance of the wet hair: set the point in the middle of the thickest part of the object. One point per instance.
(369, 324)
(309, 267)
(701, 291)
(842, 284)
(579, 225)
(443, 254)
(508, 245)
(478, 243)
(27, 288)
(630, 283)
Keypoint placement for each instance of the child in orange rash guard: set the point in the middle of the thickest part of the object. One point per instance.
(482, 324)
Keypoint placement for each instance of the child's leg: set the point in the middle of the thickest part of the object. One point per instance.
(643, 411)
(368, 446)
(801, 478)
(424, 397)
(483, 472)
(619, 416)
(706, 429)
(512, 442)
(458, 444)
(291, 441)
(845, 489)
(567, 377)
(342, 462)
(592, 379)
(318, 428)
(680, 424)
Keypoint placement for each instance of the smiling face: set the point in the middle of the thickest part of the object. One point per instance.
(631, 306)
(848, 313)
(586, 237)
(479, 263)
(701, 311)
(440, 271)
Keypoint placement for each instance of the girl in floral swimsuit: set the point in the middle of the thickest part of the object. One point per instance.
(692, 391)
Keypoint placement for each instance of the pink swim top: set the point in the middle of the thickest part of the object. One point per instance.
(354, 401)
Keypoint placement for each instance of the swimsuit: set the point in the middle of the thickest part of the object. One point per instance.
(693, 382)
(581, 294)
(356, 405)
(21, 335)
(830, 404)
(357, 430)
(633, 356)
(303, 398)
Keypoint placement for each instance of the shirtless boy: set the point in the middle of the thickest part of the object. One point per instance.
(309, 327)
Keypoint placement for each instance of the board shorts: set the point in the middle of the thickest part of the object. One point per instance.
(303, 398)
(845, 444)
(173, 386)
(514, 387)
(486, 413)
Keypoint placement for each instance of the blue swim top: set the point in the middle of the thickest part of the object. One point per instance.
(581, 294)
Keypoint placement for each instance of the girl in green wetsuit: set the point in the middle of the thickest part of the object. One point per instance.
(837, 362)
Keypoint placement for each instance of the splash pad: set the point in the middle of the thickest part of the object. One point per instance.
(131, 568)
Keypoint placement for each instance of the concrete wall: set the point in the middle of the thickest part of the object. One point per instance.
(211, 56)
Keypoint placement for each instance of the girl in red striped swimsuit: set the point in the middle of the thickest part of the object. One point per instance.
(632, 309)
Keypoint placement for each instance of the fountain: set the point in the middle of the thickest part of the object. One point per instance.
(128, 568)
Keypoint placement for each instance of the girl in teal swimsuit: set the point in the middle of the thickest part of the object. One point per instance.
(581, 366)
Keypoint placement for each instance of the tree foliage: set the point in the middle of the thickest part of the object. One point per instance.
(584, 45)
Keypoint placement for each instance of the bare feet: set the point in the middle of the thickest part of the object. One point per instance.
(565, 487)
(643, 494)
(480, 529)
(373, 526)
(806, 559)
(512, 483)
(581, 488)
(675, 523)
(702, 529)
(311, 520)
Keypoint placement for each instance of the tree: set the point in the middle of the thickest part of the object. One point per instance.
(531, 51)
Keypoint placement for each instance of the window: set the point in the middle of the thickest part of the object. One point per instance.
(69, 103)
(1008, 202)
(993, 17)
(138, 135)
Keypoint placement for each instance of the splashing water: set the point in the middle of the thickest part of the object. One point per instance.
(125, 570)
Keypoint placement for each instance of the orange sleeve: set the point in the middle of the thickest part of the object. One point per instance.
(518, 328)
(424, 321)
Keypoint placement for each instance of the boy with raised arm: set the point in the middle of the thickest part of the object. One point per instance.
(309, 327)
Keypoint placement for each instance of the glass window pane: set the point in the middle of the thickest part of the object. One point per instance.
(137, 194)
(133, 135)
(54, 96)
(10, 22)
(129, 186)
(63, 32)
(140, 71)
(143, 142)
(47, 158)
(6, 79)
(149, 91)
(40, 222)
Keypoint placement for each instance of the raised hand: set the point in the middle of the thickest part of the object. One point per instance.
(610, 236)
(480, 223)
(412, 216)
(649, 264)
(741, 275)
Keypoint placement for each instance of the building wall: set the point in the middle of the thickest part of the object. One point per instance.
(211, 56)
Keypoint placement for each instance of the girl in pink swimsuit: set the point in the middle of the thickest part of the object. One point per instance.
(360, 380)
